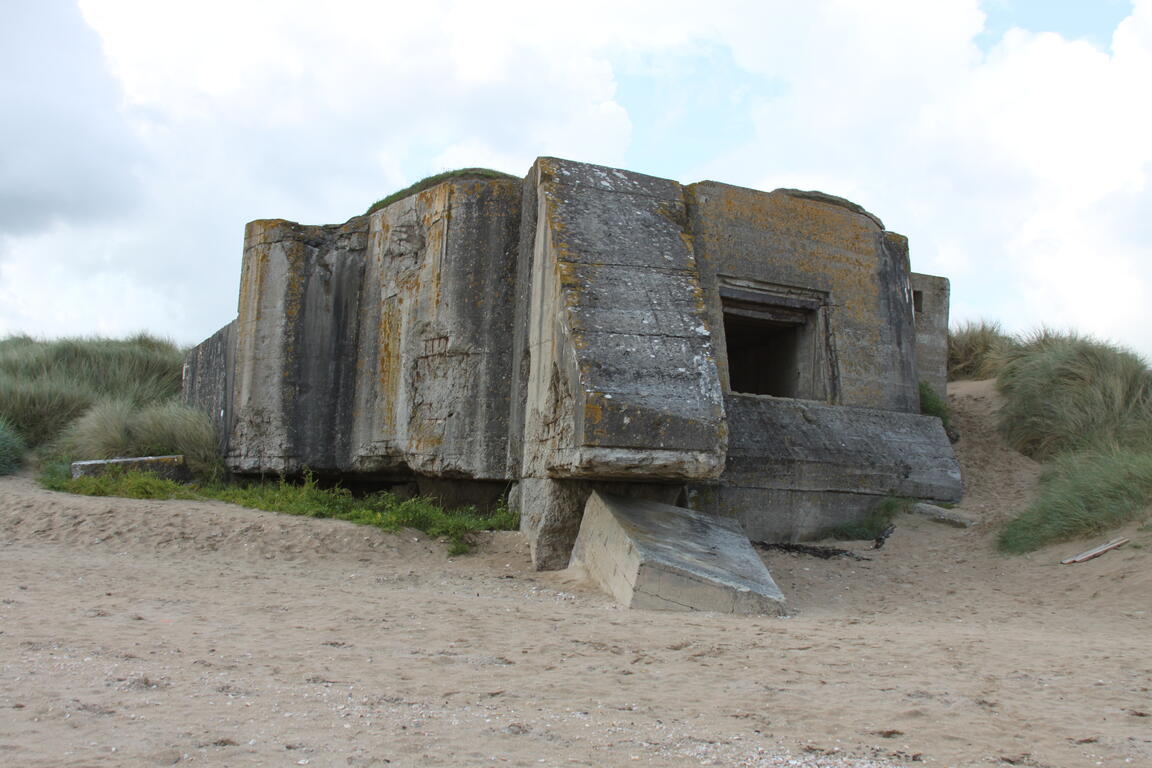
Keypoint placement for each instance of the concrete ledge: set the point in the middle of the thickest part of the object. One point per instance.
(943, 515)
(657, 556)
(167, 467)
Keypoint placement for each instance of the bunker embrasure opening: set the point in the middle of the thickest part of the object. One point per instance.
(770, 343)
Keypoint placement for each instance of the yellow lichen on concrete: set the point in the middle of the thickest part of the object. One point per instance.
(296, 256)
(808, 242)
(389, 370)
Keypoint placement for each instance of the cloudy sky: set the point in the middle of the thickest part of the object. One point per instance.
(1011, 140)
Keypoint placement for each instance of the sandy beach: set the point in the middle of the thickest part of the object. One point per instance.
(144, 633)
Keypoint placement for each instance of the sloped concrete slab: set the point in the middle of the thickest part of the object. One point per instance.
(661, 557)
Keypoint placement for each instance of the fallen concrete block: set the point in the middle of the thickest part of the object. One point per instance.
(661, 557)
(942, 515)
(167, 467)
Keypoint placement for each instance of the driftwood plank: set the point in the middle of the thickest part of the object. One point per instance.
(1085, 556)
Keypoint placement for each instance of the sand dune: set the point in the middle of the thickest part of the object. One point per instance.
(139, 633)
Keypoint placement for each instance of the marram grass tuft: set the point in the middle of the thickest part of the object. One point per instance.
(11, 448)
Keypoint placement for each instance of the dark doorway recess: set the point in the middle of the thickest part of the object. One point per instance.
(770, 343)
(763, 356)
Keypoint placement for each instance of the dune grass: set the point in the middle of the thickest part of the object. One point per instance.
(1086, 407)
(976, 350)
(39, 409)
(431, 181)
(380, 510)
(1083, 494)
(118, 428)
(1065, 392)
(1082, 404)
(11, 448)
(46, 385)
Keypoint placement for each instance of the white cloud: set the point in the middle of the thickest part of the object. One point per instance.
(1021, 173)
(1058, 123)
(89, 294)
(251, 110)
(1007, 171)
(67, 153)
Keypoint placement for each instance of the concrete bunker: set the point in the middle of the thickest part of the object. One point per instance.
(749, 355)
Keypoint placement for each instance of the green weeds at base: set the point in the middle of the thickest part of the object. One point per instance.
(55, 475)
(877, 521)
(932, 404)
(1083, 494)
(130, 485)
(380, 510)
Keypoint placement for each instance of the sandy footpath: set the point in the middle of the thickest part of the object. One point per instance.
(139, 633)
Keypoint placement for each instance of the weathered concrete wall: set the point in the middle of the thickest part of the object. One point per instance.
(621, 379)
(830, 253)
(622, 375)
(930, 298)
(796, 468)
(208, 370)
(295, 346)
(551, 510)
(381, 347)
(435, 352)
(798, 465)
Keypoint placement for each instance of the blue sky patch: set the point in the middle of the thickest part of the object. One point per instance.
(1090, 20)
(683, 108)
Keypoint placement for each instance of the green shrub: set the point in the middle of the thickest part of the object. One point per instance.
(1063, 392)
(45, 385)
(1083, 494)
(117, 428)
(976, 350)
(11, 448)
(431, 181)
(55, 473)
(932, 404)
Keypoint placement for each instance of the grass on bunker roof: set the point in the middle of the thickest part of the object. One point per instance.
(431, 181)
